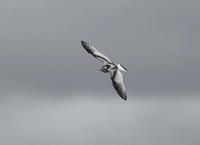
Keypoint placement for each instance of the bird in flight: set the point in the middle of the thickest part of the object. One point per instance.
(109, 67)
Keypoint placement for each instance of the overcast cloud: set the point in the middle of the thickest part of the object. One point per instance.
(51, 92)
(158, 41)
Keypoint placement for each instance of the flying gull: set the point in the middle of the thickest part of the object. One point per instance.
(109, 67)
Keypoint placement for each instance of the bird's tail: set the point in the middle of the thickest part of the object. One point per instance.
(122, 68)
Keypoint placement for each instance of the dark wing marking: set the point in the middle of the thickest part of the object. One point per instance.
(123, 67)
(94, 52)
(119, 90)
(117, 80)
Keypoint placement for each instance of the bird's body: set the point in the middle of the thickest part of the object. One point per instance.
(109, 67)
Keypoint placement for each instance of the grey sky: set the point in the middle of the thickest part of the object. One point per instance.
(51, 91)
(158, 41)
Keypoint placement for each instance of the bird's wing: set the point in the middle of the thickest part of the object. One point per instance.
(117, 80)
(90, 49)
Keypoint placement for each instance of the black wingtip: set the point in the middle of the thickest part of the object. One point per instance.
(86, 46)
(125, 98)
(84, 43)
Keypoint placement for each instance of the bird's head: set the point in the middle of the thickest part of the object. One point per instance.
(104, 69)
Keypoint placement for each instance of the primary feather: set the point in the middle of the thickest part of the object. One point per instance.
(118, 84)
(94, 52)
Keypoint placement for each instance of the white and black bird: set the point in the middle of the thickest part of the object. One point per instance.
(109, 67)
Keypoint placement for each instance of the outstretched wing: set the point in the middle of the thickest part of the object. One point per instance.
(90, 49)
(117, 80)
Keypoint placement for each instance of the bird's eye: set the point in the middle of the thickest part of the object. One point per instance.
(108, 66)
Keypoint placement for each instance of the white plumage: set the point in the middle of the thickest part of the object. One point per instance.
(109, 67)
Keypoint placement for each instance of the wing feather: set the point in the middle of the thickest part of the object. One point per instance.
(117, 80)
(94, 52)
